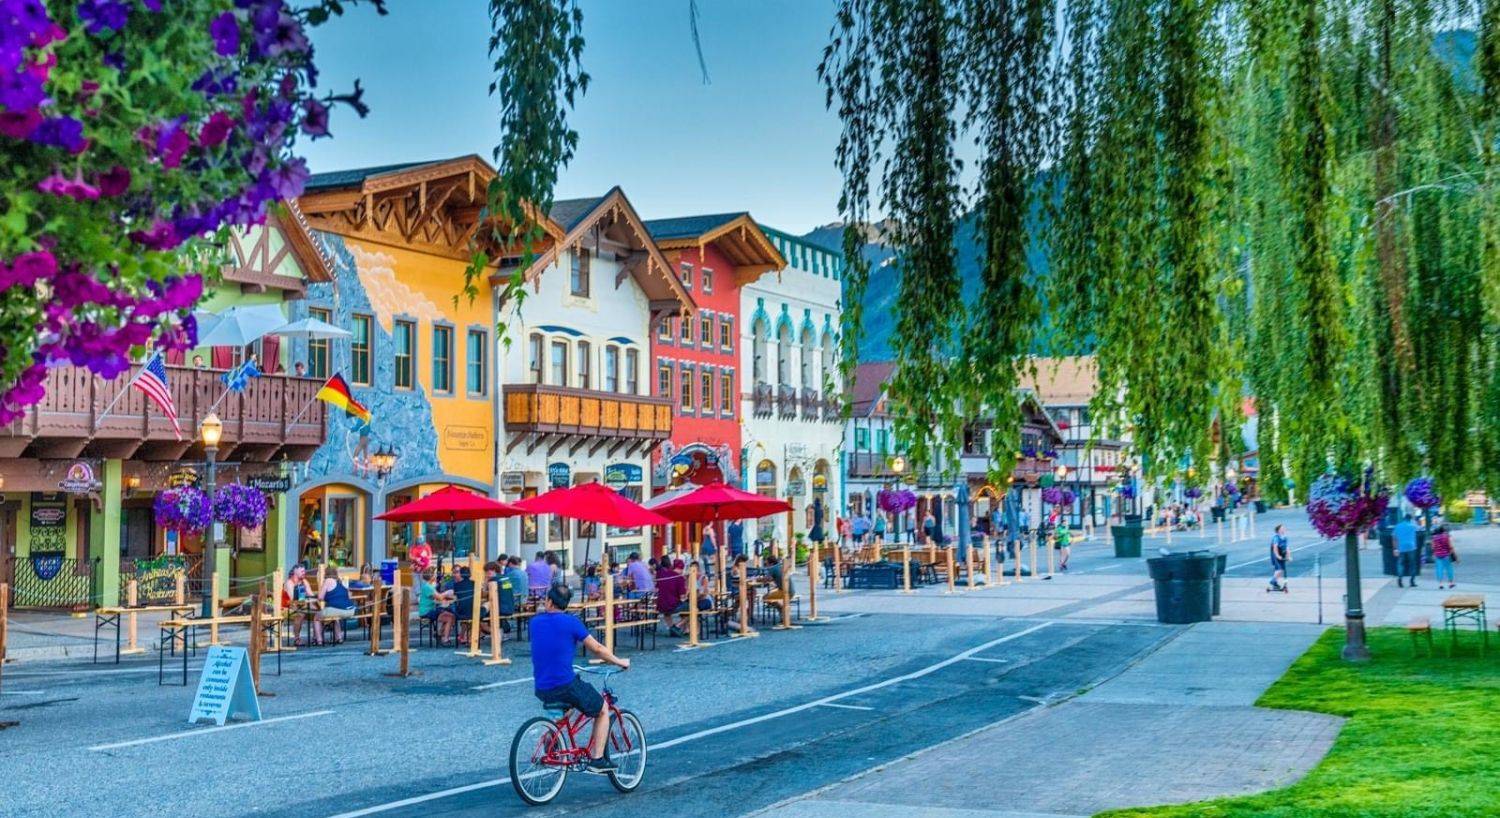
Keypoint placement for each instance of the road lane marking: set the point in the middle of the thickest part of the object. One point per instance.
(79, 672)
(723, 728)
(844, 706)
(204, 730)
(1265, 560)
(987, 659)
(493, 685)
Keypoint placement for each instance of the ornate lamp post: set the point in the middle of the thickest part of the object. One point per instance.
(898, 467)
(212, 431)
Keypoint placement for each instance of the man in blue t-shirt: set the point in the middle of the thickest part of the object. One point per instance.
(1405, 535)
(555, 635)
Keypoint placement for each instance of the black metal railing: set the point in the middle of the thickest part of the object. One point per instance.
(51, 580)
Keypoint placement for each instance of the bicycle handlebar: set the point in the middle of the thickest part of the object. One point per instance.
(601, 670)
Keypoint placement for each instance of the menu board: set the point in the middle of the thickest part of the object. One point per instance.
(49, 523)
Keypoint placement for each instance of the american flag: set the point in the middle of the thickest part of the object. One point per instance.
(153, 382)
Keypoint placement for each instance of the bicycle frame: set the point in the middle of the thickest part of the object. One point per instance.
(574, 723)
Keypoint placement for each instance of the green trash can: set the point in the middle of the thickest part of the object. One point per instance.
(1127, 539)
(1220, 562)
(1184, 586)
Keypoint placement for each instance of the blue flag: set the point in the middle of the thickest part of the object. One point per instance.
(238, 378)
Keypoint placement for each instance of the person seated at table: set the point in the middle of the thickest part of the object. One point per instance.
(775, 598)
(641, 582)
(705, 592)
(515, 569)
(431, 603)
(366, 579)
(539, 573)
(463, 601)
(740, 563)
(296, 589)
(670, 589)
(593, 586)
(337, 605)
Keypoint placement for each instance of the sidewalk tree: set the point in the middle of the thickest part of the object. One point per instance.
(136, 133)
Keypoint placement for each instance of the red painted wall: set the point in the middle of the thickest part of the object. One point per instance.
(720, 428)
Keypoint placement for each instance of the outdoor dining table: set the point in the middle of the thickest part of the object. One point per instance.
(110, 617)
(1465, 607)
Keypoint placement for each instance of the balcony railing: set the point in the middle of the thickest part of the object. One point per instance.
(870, 464)
(542, 409)
(274, 416)
(762, 400)
(786, 400)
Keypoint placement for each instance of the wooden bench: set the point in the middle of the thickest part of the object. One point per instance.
(1465, 607)
(1418, 627)
(110, 617)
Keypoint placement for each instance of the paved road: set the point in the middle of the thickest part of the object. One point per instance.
(736, 727)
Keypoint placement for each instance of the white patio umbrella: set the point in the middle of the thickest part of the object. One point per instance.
(311, 329)
(239, 326)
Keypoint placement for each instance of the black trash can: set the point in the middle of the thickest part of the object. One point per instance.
(1127, 539)
(1260, 506)
(1184, 586)
(1218, 512)
(1220, 561)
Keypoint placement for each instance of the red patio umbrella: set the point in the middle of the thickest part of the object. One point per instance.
(449, 504)
(592, 503)
(713, 502)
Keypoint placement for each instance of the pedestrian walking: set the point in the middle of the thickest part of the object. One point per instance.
(1063, 539)
(1280, 553)
(1443, 556)
(1405, 535)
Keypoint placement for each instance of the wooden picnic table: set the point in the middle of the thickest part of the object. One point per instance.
(186, 629)
(110, 617)
(1465, 607)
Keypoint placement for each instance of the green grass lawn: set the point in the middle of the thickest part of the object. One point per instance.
(1422, 736)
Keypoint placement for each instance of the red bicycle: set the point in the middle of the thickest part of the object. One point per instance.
(547, 748)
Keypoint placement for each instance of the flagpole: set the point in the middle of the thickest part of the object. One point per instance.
(121, 393)
(302, 411)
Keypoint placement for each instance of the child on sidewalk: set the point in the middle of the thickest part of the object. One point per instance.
(1279, 554)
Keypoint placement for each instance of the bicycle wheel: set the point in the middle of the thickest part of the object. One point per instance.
(534, 768)
(627, 747)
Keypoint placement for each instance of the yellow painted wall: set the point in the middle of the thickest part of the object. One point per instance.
(420, 287)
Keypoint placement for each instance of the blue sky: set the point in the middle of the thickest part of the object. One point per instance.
(756, 138)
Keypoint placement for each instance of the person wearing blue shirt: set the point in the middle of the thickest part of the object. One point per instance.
(1405, 535)
(1280, 552)
(555, 635)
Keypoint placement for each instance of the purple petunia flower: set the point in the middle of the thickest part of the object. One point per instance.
(113, 182)
(62, 132)
(225, 29)
(76, 189)
(99, 16)
(216, 130)
(19, 124)
(314, 118)
(161, 236)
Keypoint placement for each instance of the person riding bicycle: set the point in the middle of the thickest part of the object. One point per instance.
(555, 635)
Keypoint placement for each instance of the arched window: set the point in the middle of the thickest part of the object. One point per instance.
(808, 356)
(758, 349)
(830, 366)
(784, 355)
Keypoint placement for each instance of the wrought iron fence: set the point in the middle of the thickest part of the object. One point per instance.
(53, 581)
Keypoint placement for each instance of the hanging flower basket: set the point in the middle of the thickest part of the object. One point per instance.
(896, 501)
(1193, 493)
(1422, 493)
(1127, 492)
(186, 509)
(1058, 496)
(240, 506)
(1338, 505)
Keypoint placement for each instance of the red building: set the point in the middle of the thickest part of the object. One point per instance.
(696, 360)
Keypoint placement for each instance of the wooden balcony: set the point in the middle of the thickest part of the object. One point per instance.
(554, 416)
(70, 421)
(871, 465)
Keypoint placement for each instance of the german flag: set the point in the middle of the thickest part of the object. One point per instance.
(336, 392)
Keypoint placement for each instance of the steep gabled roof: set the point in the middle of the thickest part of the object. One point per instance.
(736, 235)
(354, 176)
(569, 212)
(1068, 381)
(869, 385)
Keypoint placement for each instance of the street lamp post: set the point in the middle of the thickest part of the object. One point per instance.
(211, 430)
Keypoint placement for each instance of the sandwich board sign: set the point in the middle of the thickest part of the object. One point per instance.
(225, 689)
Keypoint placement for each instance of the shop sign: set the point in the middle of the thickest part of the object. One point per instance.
(270, 483)
(512, 482)
(465, 438)
(80, 479)
(796, 488)
(796, 451)
(49, 524)
(184, 476)
(225, 689)
(1477, 499)
(620, 475)
(558, 475)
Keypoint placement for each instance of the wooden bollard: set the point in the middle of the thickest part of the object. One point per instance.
(743, 593)
(905, 569)
(179, 589)
(473, 650)
(377, 596)
(255, 645)
(1033, 553)
(814, 566)
(838, 573)
(948, 564)
(693, 604)
(1017, 557)
(4, 617)
(931, 552)
(213, 607)
(278, 582)
(495, 634)
(1051, 549)
(132, 599)
(405, 603)
(1219, 529)
(786, 591)
(609, 607)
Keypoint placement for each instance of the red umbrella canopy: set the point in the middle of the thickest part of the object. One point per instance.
(717, 501)
(449, 504)
(593, 503)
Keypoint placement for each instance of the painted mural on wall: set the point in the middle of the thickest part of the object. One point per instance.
(364, 282)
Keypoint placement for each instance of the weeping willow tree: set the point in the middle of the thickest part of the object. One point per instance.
(1293, 201)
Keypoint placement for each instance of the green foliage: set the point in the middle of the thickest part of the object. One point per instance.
(1418, 742)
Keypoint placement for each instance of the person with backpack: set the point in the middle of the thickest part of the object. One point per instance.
(1443, 556)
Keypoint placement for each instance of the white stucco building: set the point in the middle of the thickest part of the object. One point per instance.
(792, 410)
(577, 401)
